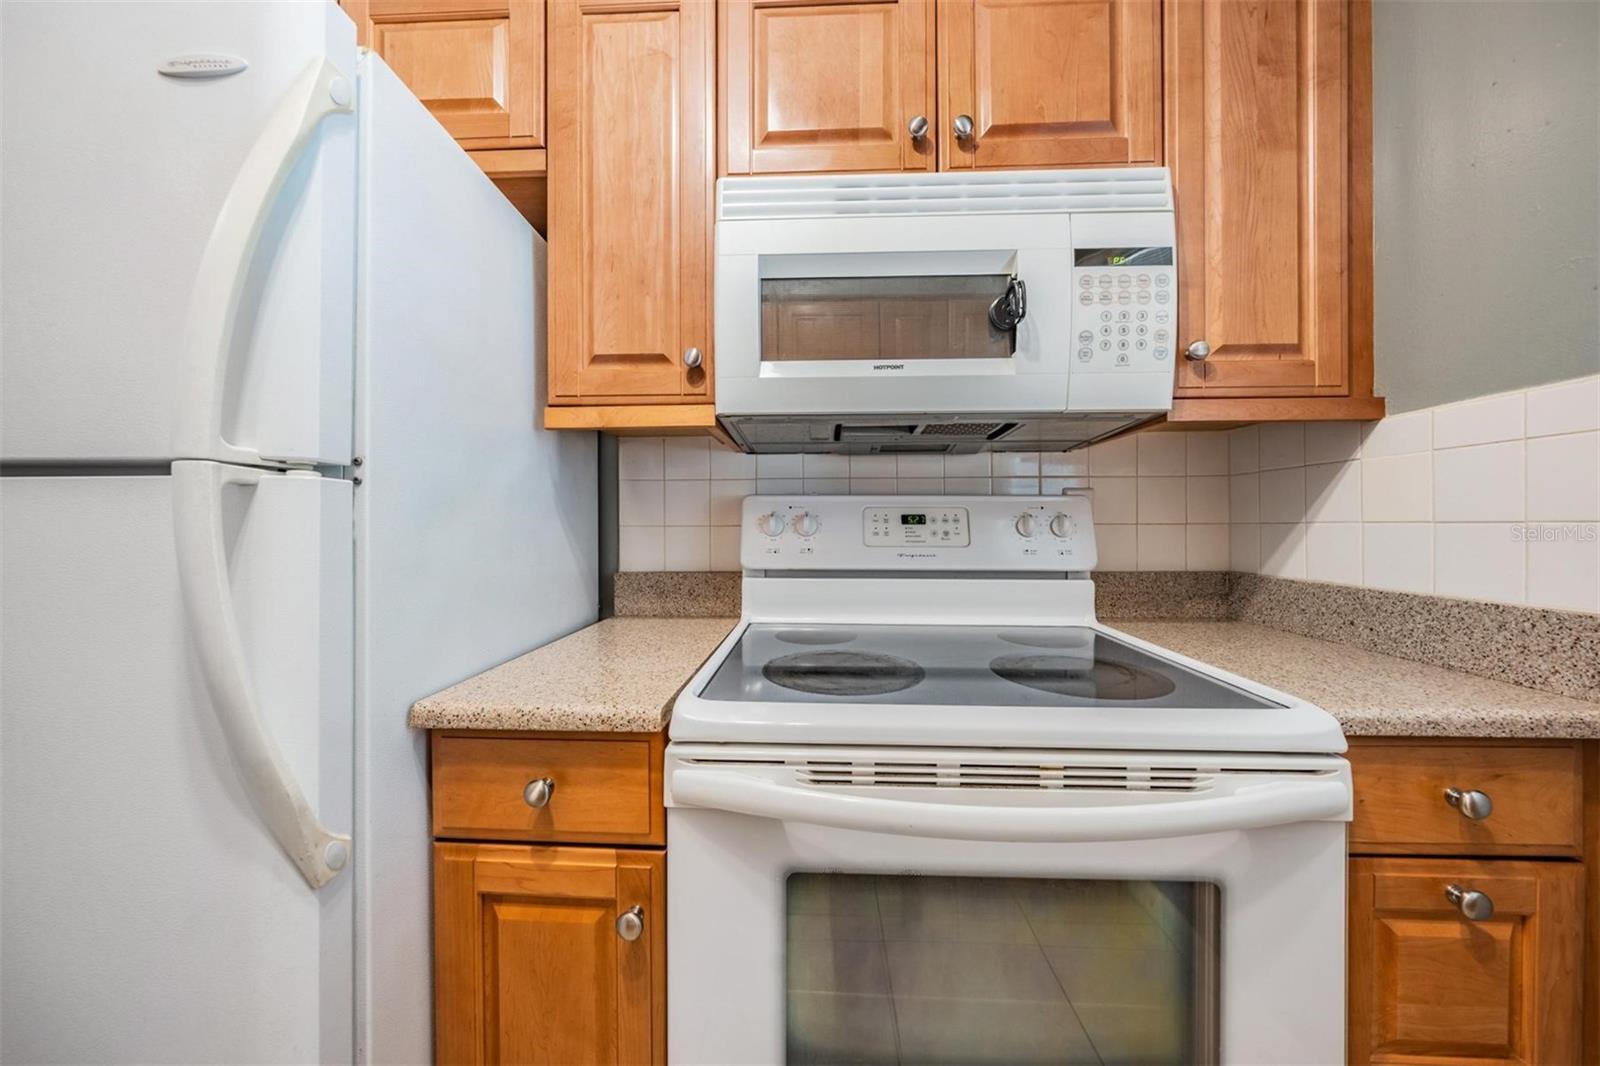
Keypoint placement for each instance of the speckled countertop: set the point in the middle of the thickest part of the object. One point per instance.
(616, 676)
(1373, 694)
(620, 675)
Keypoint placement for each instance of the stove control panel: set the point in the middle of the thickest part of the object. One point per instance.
(899, 526)
(1049, 533)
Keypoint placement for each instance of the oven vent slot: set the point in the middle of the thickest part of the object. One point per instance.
(1053, 776)
(986, 430)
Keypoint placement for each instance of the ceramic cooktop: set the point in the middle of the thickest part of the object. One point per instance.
(950, 665)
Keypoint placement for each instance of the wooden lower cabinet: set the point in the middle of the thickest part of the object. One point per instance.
(532, 961)
(1430, 985)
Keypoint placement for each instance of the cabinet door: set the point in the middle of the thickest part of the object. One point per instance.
(1257, 140)
(1429, 985)
(630, 199)
(1049, 83)
(478, 65)
(828, 85)
(530, 964)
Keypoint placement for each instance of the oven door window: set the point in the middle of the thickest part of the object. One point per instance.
(899, 319)
(916, 969)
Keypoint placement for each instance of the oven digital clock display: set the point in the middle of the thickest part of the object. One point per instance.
(913, 519)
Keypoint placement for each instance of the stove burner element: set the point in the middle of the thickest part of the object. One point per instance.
(1066, 676)
(1045, 638)
(842, 673)
(814, 636)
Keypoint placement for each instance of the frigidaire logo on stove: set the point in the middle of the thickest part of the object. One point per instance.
(888, 366)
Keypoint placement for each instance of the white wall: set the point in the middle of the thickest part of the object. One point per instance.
(1496, 498)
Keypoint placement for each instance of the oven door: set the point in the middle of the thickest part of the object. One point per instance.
(893, 314)
(853, 905)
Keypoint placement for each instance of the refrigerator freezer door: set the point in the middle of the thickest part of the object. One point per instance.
(477, 532)
(148, 913)
(132, 190)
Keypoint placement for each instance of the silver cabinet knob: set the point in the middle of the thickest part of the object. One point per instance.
(692, 357)
(963, 127)
(1471, 803)
(1474, 906)
(630, 923)
(537, 793)
(1198, 350)
(918, 127)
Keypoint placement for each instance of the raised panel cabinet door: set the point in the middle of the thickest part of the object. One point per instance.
(1258, 141)
(1431, 984)
(478, 65)
(1049, 83)
(631, 181)
(826, 86)
(538, 959)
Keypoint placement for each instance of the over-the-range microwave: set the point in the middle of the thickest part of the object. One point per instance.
(1005, 310)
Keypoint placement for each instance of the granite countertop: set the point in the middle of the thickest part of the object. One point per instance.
(621, 675)
(618, 676)
(1373, 694)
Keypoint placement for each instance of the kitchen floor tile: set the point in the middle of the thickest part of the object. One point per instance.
(1138, 1036)
(831, 1028)
(955, 969)
(974, 1031)
(837, 966)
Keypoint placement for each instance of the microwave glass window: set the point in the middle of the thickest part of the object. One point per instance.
(910, 969)
(895, 318)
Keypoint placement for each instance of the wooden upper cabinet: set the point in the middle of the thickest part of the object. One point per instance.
(826, 86)
(478, 65)
(1258, 139)
(631, 183)
(1429, 985)
(1050, 83)
(530, 964)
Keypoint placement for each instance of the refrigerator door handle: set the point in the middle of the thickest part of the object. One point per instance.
(224, 270)
(208, 601)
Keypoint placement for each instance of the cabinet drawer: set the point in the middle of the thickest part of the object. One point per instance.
(1403, 802)
(603, 789)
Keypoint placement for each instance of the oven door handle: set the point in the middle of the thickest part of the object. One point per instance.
(1250, 807)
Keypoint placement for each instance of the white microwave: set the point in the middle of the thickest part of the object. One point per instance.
(1006, 310)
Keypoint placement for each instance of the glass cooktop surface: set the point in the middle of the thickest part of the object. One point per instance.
(1022, 666)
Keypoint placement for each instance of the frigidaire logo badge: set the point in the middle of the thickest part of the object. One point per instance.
(916, 555)
(888, 366)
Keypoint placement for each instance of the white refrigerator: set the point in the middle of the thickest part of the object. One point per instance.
(270, 367)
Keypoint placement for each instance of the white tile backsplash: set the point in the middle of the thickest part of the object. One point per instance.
(1482, 483)
(1480, 421)
(1496, 498)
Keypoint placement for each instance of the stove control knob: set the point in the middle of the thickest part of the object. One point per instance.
(805, 523)
(1027, 525)
(1063, 526)
(770, 523)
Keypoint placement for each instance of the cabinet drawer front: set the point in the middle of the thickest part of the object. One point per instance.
(1402, 800)
(603, 791)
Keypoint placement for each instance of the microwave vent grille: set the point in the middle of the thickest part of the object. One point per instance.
(996, 192)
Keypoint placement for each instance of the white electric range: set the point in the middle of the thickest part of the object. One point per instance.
(923, 807)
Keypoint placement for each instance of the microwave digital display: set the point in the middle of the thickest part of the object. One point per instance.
(1157, 256)
(913, 519)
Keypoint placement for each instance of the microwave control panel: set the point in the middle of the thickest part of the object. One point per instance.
(1124, 309)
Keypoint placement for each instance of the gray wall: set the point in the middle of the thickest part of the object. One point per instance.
(1486, 195)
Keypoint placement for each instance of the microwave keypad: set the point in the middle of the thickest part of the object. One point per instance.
(1124, 316)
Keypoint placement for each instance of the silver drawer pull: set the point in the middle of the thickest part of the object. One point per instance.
(963, 127)
(537, 793)
(692, 357)
(630, 923)
(918, 127)
(1474, 906)
(1470, 802)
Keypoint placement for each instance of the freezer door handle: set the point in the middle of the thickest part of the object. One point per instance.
(1248, 807)
(208, 601)
(224, 273)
